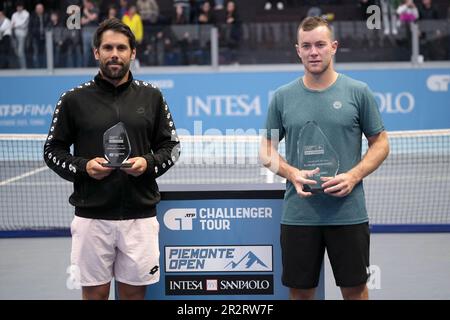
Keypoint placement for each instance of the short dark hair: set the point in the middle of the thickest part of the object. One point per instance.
(310, 23)
(115, 25)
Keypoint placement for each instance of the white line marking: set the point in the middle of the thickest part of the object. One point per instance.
(22, 176)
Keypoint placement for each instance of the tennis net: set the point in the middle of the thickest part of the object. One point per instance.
(411, 187)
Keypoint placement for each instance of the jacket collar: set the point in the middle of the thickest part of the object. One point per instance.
(108, 86)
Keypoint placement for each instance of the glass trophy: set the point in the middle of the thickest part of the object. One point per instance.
(315, 151)
(116, 146)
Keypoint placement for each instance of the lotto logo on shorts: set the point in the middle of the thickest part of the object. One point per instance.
(154, 270)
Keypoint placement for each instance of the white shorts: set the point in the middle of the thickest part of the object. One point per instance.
(127, 250)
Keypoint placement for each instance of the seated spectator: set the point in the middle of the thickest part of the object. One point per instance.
(180, 16)
(185, 10)
(206, 15)
(149, 11)
(427, 10)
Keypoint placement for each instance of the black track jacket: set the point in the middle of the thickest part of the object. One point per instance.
(81, 117)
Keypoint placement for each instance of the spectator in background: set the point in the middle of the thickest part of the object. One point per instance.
(8, 7)
(39, 22)
(233, 31)
(388, 9)
(196, 9)
(407, 12)
(123, 8)
(89, 22)
(433, 43)
(180, 16)
(5, 41)
(19, 21)
(149, 11)
(133, 20)
(112, 12)
(206, 15)
(185, 9)
(427, 10)
(59, 39)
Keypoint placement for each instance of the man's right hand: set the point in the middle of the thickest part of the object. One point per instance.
(95, 169)
(299, 178)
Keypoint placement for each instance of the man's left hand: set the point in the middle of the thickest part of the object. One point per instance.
(339, 186)
(139, 165)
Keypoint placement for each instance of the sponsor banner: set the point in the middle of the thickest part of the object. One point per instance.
(242, 241)
(218, 258)
(227, 103)
(254, 284)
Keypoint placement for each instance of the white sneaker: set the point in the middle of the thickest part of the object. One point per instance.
(280, 6)
(267, 6)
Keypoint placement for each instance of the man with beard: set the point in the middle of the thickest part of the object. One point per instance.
(336, 218)
(115, 230)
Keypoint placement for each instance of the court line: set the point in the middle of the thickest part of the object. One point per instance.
(22, 176)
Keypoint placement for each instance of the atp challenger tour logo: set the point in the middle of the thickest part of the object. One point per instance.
(182, 219)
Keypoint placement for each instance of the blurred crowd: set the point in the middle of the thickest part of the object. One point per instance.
(165, 37)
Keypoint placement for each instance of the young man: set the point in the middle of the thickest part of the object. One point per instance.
(335, 219)
(115, 230)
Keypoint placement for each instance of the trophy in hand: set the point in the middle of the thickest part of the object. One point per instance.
(116, 146)
(315, 151)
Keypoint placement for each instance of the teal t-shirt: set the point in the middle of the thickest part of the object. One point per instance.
(344, 111)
